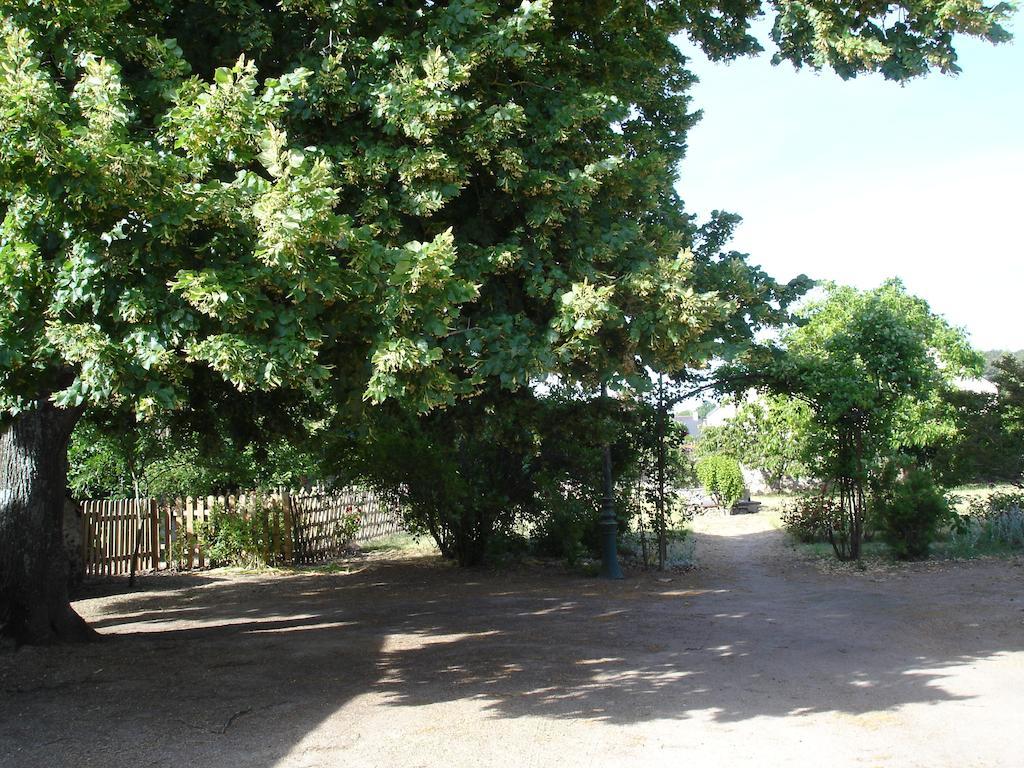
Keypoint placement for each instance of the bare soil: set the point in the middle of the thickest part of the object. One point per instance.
(756, 658)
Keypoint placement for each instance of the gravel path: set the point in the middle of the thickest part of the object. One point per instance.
(756, 658)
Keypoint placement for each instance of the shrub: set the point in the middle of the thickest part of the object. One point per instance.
(570, 523)
(809, 518)
(239, 537)
(475, 474)
(506, 547)
(995, 522)
(561, 533)
(721, 477)
(910, 516)
(463, 475)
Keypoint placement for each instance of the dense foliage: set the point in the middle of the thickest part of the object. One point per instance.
(478, 475)
(115, 458)
(984, 447)
(464, 475)
(361, 197)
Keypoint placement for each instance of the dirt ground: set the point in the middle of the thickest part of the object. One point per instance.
(756, 658)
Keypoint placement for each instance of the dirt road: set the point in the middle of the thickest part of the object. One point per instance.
(754, 659)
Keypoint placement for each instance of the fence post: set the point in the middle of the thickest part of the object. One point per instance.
(190, 506)
(154, 535)
(86, 546)
(275, 530)
(286, 508)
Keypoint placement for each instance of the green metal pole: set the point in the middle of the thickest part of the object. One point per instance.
(609, 522)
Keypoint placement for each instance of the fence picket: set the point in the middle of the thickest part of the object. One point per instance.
(124, 536)
(289, 528)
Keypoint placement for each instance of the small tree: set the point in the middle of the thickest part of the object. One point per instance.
(463, 475)
(871, 366)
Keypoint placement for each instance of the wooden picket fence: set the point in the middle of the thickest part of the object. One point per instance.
(297, 527)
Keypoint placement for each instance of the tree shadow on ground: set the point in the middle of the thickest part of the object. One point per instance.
(145, 583)
(239, 670)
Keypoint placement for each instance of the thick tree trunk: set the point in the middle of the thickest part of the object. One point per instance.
(34, 605)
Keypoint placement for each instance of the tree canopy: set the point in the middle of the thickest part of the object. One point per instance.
(401, 200)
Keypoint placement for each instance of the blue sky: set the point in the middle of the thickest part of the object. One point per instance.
(862, 180)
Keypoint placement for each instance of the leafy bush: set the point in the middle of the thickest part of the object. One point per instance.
(482, 470)
(568, 474)
(810, 518)
(561, 533)
(239, 537)
(573, 531)
(910, 516)
(720, 476)
(506, 547)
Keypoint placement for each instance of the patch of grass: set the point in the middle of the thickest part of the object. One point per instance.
(774, 500)
(957, 548)
(870, 551)
(245, 570)
(963, 495)
(397, 545)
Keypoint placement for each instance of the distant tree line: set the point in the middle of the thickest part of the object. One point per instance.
(992, 356)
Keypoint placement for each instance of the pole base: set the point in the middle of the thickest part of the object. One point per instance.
(609, 552)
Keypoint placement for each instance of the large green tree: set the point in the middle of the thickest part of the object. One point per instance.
(359, 199)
